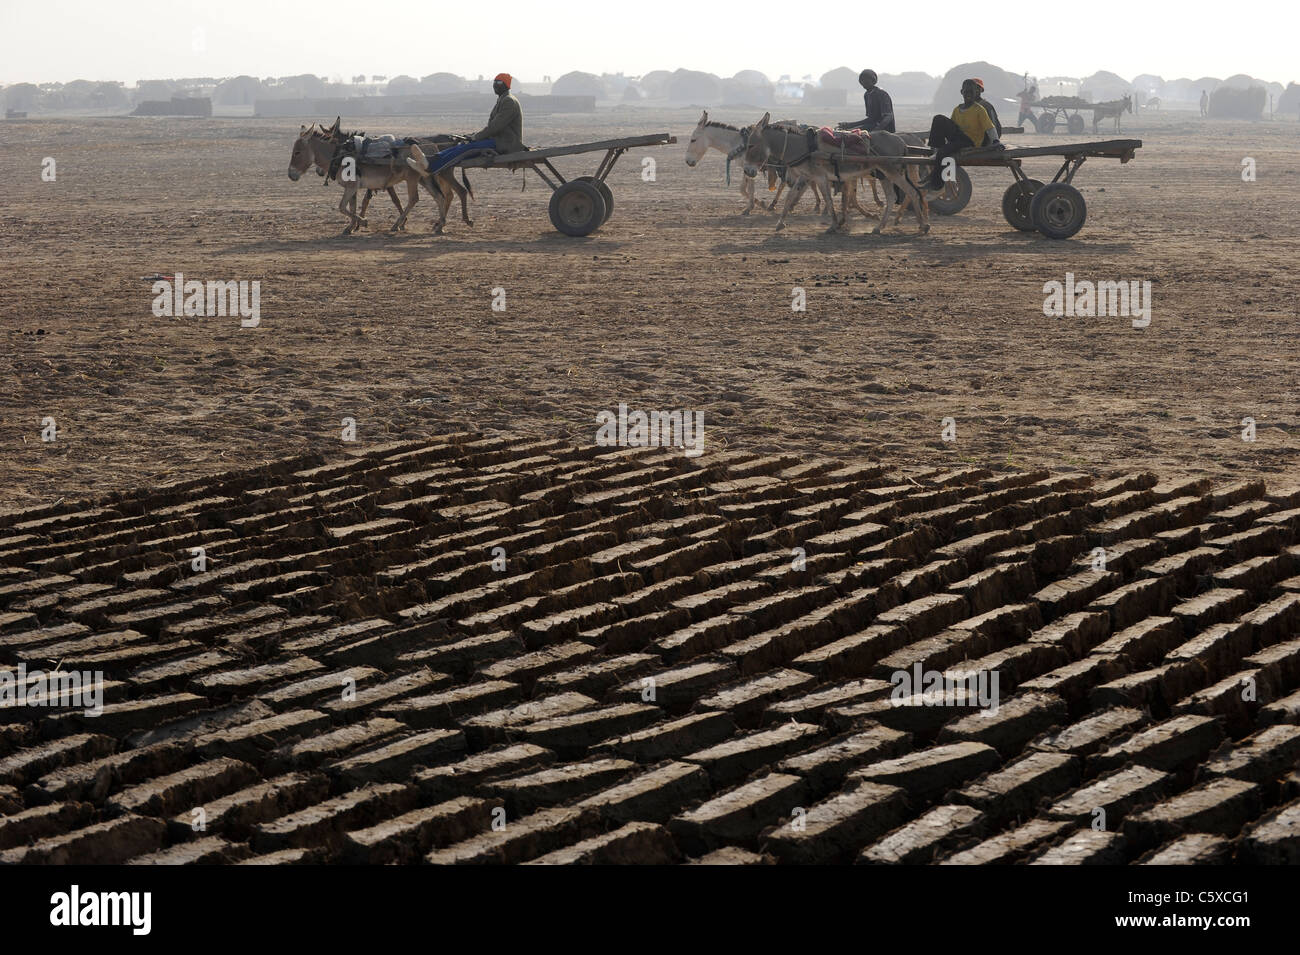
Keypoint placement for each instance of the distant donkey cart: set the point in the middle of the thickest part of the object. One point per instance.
(578, 206)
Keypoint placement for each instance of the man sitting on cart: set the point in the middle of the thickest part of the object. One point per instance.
(968, 126)
(503, 133)
(988, 107)
(880, 108)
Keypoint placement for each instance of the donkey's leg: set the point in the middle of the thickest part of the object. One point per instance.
(779, 189)
(347, 203)
(412, 197)
(443, 196)
(464, 201)
(392, 194)
(749, 192)
(795, 193)
(888, 190)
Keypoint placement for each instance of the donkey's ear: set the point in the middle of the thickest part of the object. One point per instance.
(704, 117)
(767, 118)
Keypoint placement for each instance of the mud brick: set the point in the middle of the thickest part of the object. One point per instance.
(29, 825)
(395, 760)
(1185, 569)
(923, 581)
(740, 815)
(398, 694)
(154, 618)
(1279, 619)
(577, 731)
(177, 672)
(1074, 593)
(1014, 665)
(772, 648)
(521, 840)
(672, 739)
(747, 701)
(1125, 557)
(241, 682)
(920, 713)
(870, 573)
(1014, 791)
(43, 636)
(250, 741)
(105, 843)
(527, 667)
(1086, 847)
(1257, 575)
(1144, 642)
(1214, 606)
(1266, 756)
(933, 653)
(832, 830)
(1220, 648)
(594, 679)
(1274, 840)
(311, 752)
(825, 767)
(319, 689)
(494, 727)
(850, 539)
(1290, 585)
(1003, 626)
(1076, 634)
(442, 708)
(703, 637)
(444, 782)
(684, 560)
(975, 549)
(926, 837)
(93, 780)
(1279, 663)
(636, 632)
(1196, 848)
(16, 620)
(779, 608)
(1219, 807)
(1008, 727)
(927, 616)
(1129, 604)
(461, 656)
(1285, 710)
(679, 689)
(730, 761)
(1010, 847)
(612, 558)
(989, 589)
(1256, 542)
(556, 784)
(637, 843)
(781, 538)
(928, 773)
(208, 628)
(1168, 745)
(1237, 698)
(566, 625)
(212, 850)
(325, 823)
(1118, 794)
(855, 655)
(809, 707)
(118, 719)
(82, 645)
(1075, 680)
(35, 761)
(1159, 687)
(167, 795)
(335, 637)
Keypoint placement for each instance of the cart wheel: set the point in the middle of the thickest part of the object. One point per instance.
(950, 207)
(1075, 124)
(605, 194)
(1058, 210)
(577, 208)
(1016, 202)
(1045, 123)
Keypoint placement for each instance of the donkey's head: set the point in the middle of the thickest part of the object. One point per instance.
(1128, 102)
(699, 143)
(304, 152)
(757, 150)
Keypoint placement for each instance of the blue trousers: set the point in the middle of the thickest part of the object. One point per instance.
(455, 152)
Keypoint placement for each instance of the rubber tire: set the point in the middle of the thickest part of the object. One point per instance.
(1058, 210)
(965, 187)
(1016, 204)
(577, 208)
(1046, 123)
(1075, 124)
(605, 194)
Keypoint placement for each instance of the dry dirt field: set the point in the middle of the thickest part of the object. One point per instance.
(678, 302)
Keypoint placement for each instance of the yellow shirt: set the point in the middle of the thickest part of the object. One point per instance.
(973, 121)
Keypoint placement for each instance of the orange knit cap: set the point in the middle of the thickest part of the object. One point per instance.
(979, 82)
(504, 78)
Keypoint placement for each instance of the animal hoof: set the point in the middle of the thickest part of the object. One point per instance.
(924, 229)
(876, 231)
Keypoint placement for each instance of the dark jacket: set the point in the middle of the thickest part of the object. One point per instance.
(993, 114)
(505, 125)
(880, 110)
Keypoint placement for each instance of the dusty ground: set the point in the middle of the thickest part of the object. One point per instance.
(678, 302)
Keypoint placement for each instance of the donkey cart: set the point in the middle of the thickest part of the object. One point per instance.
(1056, 209)
(578, 206)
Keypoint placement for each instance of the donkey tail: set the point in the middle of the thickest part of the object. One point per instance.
(465, 182)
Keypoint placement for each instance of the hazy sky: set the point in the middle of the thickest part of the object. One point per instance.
(128, 40)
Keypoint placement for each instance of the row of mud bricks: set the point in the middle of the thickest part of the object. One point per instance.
(496, 649)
